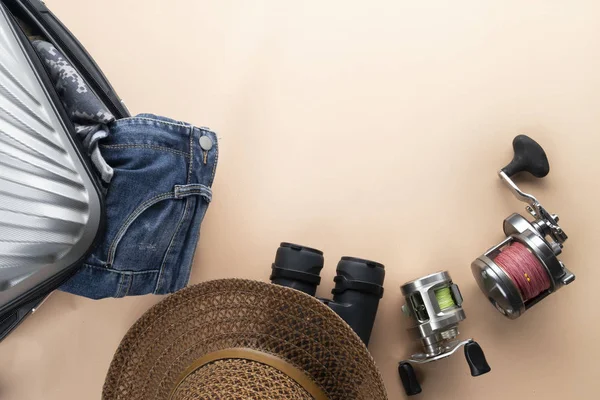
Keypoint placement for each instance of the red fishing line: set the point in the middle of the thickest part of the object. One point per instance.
(525, 270)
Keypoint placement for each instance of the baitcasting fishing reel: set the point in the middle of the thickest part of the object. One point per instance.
(523, 269)
(434, 303)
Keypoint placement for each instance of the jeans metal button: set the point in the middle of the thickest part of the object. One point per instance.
(205, 143)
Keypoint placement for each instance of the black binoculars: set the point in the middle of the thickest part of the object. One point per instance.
(358, 283)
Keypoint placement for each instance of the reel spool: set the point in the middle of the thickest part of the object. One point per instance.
(523, 269)
(434, 303)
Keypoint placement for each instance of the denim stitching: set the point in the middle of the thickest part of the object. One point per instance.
(132, 120)
(192, 192)
(155, 121)
(116, 295)
(144, 146)
(128, 286)
(189, 177)
(119, 289)
(212, 178)
(121, 272)
(160, 275)
(205, 195)
(194, 188)
(136, 213)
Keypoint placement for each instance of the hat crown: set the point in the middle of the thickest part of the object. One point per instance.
(239, 379)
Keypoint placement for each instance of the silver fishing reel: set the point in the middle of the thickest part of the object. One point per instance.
(543, 237)
(434, 303)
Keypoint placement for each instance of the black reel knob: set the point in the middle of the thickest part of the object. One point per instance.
(529, 156)
(409, 379)
(476, 359)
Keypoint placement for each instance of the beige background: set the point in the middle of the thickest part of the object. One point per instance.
(371, 129)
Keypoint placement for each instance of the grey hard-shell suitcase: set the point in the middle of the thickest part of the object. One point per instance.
(51, 203)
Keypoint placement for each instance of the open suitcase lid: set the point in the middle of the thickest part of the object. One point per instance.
(51, 208)
(36, 13)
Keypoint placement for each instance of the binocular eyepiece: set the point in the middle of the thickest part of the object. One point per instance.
(358, 283)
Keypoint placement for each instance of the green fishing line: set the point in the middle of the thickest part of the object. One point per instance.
(444, 298)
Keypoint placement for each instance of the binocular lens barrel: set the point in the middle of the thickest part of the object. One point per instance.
(297, 267)
(370, 274)
(358, 289)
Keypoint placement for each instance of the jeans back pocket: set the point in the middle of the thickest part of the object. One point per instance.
(154, 207)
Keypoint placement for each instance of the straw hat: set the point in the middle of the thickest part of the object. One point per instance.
(240, 339)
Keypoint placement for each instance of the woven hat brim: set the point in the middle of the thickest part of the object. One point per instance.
(236, 313)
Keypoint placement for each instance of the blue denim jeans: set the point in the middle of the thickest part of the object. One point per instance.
(154, 207)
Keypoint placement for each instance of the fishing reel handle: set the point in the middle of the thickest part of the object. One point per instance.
(409, 379)
(473, 354)
(476, 359)
(529, 156)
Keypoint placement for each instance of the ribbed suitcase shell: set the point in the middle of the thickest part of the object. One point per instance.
(50, 209)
